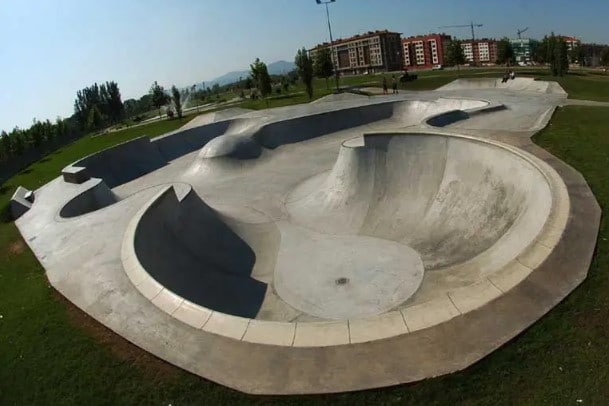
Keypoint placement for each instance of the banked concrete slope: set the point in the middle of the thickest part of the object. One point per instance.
(449, 198)
(185, 247)
(518, 85)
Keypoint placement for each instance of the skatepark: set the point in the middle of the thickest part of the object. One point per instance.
(346, 244)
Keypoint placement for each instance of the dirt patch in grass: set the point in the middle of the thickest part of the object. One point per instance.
(16, 248)
(120, 348)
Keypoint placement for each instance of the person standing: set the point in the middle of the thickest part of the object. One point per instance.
(394, 84)
(385, 85)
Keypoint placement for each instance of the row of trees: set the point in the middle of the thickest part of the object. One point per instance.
(98, 106)
(307, 68)
(18, 141)
(95, 107)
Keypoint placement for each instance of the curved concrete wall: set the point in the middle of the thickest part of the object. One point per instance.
(303, 128)
(94, 198)
(132, 159)
(449, 198)
(184, 246)
(182, 142)
(124, 162)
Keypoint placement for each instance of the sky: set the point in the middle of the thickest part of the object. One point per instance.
(50, 49)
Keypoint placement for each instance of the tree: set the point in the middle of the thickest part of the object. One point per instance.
(158, 96)
(61, 127)
(18, 141)
(577, 55)
(322, 64)
(5, 146)
(112, 101)
(554, 52)
(255, 71)
(605, 57)
(36, 133)
(177, 102)
(85, 100)
(261, 78)
(94, 119)
(304, 66)
(454, 54)
(248, 83)
(505, 52)
(561, 57)
(105, 97)
(538, 50)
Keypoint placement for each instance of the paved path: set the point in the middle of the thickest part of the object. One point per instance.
(574, 102)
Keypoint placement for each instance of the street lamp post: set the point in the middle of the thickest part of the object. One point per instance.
(326, 2)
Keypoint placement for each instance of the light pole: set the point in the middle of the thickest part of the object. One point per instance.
(326, 2)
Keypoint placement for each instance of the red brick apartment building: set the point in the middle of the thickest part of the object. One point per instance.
(424, 51)
(374, 51)
(480, 51)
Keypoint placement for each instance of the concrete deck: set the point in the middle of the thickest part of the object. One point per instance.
(341, 245)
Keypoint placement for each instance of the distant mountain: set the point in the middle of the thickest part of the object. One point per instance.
(275, 68)
(281, 67)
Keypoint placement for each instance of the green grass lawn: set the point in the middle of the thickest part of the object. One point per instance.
(53, 354)
(579, 84)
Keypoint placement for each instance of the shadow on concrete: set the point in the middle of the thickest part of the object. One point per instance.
(184, 246)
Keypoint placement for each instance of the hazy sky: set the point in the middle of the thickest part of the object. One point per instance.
(50, 49)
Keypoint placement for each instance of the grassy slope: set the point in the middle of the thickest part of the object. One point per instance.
(51, 353)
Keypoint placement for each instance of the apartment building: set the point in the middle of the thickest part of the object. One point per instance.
(424, 51)
(480, 51)
(374, 51)
(572, 42)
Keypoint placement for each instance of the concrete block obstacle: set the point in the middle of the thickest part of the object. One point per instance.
(21, 202)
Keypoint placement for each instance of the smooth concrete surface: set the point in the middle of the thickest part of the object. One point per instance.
(96, 195)
(453, 238)
(517, 84)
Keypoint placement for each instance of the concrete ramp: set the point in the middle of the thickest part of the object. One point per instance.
(449, 198)
(303, 128)
(96, 195)
(124, 162)
(518, 85)
(244, 138)
(182, 243)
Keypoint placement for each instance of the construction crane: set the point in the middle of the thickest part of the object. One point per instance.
(520, 32)
(470, 25)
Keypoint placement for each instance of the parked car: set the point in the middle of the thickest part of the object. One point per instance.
(437, 67)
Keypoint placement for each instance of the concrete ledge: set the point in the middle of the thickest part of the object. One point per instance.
(19, 203)
(321, 334)
(376, 328)
(429, 314)
(75, 174)
(95, 196)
